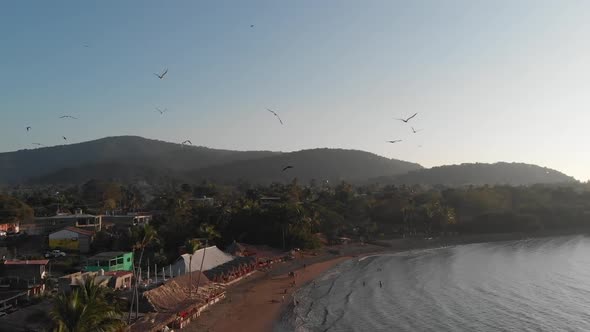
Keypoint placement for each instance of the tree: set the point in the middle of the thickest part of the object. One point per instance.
(86, 309)
(12, 209)
(141, 237)
(191, 246)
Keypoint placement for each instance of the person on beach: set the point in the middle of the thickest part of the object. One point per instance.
(283, 299)
(364, 284)
(380, 284)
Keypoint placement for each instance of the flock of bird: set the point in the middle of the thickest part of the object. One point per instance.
(185, 142)
(414, 130)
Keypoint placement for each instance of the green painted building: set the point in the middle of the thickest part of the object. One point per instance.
(110, 261)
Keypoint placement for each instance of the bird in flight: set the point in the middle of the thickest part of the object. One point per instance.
(38, 144)
(161, 76)
(187, 142)
(86, 45)
(162, 111)
(287, 167)
(408, 119)
(28, 128)
(68, 116)
(415, 130)
(394, 141)
(65, 139)
(275, 114)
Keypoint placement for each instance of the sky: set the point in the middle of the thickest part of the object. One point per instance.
(505, 80)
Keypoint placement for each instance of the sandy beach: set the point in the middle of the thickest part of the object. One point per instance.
(256, 304)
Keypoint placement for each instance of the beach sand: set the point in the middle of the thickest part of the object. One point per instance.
(255, 305)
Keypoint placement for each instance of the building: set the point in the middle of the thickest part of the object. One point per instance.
(112, 279)
(8, 228)
(72, 281)
(213, 257)
(72, 238)
(29, 270)
(130, 219)
(110, 261)
(120, 279)
(46, 225)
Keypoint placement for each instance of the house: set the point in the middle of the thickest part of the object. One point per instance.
(212, 257)
(110, 261)
(72, 281)
(72, 238)
(29, 270)
(46, 225)
(112, 279)
(130, 219)
(120, 279)
(8, 228)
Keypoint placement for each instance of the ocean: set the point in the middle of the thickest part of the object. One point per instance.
(528, 285)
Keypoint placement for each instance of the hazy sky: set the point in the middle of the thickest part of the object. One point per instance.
(491, 80)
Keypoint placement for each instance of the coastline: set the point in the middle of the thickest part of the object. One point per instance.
(256, 304)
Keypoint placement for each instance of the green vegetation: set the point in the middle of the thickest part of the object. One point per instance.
(12, 209)
(515, 174)
(294, 215)
(88, 308)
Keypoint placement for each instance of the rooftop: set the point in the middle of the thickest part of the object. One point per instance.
(118, 274)
(107, 255)
(77, 230)
(27, 262)
(67, 216)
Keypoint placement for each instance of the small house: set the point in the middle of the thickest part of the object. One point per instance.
(110, 261)
(29, 270)
(71, 238)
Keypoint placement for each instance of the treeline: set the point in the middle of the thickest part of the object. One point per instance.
(294, 215)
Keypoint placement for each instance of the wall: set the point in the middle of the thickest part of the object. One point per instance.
(64, 239)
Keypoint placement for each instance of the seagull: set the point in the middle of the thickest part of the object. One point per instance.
(287, 167)
(187, 141)
(38, 144)
(161, 76)
(394, 141)
(275, 114)
(28, 128)
(408, 119)
(415, 131)
(161, 111)
(68, 116)
(65, 139)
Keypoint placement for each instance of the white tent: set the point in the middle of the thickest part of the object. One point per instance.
(213, 257)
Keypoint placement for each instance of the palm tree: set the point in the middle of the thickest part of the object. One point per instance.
(191, 246)
(143, 237)
(86, 309)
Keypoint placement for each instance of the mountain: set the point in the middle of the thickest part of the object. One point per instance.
(480, 174)
(122, 152)
(132, 159)
(333, 165)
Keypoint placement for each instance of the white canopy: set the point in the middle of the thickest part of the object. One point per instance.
(213, 257)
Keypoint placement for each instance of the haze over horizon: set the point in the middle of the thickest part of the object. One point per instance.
(501, 81)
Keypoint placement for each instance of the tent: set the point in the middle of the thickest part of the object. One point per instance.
(213, 258)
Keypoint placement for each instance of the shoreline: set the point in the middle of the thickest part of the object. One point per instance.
(257, 304)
